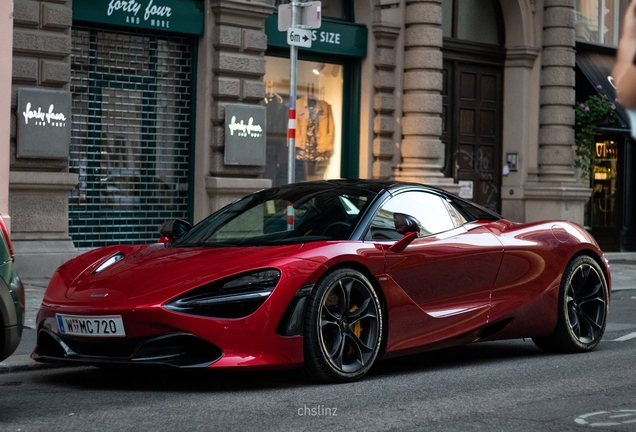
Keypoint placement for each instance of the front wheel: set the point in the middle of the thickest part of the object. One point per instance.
(343, 327)
(583, 307)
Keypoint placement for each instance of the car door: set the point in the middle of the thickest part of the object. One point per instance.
(448, 271)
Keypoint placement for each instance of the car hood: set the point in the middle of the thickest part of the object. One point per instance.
(148, 271)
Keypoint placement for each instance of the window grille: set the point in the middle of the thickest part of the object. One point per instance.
(130, 139)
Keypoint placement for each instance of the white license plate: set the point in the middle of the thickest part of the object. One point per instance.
(102, 326)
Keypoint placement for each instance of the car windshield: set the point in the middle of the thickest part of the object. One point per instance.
(283, 216)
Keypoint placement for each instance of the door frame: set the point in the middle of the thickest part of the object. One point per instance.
(456, 53)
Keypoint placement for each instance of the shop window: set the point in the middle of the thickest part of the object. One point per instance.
(318, 120)
(599, 21)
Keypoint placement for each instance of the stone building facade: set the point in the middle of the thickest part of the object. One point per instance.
(411, 91)
(38, 187)
(6, 33)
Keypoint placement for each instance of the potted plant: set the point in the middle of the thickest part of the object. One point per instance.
(596, 110)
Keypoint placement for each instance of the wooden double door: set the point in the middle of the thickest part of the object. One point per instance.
(472, 128)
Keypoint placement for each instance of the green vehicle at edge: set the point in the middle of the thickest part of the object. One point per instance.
(11, 298)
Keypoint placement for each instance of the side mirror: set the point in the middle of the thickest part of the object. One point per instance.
(405, 223)
(174, 229)
(409, 227)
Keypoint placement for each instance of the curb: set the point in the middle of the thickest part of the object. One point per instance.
(624, 289)
(620, 256)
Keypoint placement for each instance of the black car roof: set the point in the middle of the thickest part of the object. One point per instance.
(375, 186)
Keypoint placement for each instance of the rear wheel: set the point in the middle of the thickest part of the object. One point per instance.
(343, 327)
(583, 306)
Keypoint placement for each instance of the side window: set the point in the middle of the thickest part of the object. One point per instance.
(430, 210)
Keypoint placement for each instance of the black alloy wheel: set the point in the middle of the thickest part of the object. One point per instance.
(343, 327)
(583, 307)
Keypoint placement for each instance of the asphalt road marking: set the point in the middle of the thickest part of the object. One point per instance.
(607, 418)
(625, 338)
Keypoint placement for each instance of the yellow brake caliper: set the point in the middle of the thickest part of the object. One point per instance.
(357, 329)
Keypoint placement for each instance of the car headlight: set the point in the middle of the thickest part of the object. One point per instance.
(261, 279)
(235, 297)
(109, 262)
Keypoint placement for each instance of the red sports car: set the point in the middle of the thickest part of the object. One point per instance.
(327, 276)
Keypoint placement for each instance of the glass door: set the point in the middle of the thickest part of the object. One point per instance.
(604, 209)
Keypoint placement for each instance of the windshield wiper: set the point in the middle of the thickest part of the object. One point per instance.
(203, 244)
(217, 244)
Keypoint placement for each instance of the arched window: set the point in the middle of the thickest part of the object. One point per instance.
(472, 20)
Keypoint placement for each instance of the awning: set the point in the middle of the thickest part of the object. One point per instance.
(597, 68)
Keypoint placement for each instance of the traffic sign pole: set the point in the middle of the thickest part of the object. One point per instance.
(293, 67)
(289, 19)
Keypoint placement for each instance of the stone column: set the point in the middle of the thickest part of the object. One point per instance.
(558, 193)
(520, 132)
(238, 44)
(422, 150)
(556, 133)
(384, 101)
(38, 187)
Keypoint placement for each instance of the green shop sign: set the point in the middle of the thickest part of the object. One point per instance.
(330, 38)
(179, 16)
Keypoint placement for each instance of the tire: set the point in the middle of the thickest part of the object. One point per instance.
(583, 307)
(343, 327)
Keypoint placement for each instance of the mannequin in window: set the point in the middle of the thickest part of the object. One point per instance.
(314, 134)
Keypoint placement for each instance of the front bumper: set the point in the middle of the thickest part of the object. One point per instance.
(158, 336)
(180, 350)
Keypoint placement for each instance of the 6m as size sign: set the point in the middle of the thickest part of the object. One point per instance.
(299, 37)
(102, 326)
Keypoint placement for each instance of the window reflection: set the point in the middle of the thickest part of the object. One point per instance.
(430, 211)
(599, 20)
(476, 21)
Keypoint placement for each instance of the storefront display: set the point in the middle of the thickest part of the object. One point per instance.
(318, 120)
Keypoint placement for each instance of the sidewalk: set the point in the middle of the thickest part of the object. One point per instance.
(622, 267)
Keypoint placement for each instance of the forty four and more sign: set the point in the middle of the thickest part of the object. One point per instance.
(44, 123)
(154, 13)
(177, 16)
